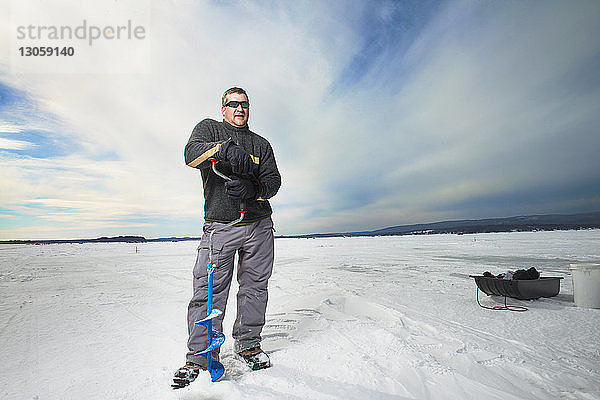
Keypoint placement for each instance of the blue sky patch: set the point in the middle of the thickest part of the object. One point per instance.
(42, 144)
(388, 28)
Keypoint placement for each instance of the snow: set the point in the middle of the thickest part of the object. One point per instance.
(348, 318)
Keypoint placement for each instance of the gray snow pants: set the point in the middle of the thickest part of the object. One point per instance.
(254, 244)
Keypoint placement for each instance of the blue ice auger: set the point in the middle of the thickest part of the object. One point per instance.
(214, 338)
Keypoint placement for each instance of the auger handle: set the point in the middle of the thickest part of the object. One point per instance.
(219, 173)
(216, 171)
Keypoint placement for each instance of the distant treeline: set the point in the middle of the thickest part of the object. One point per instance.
(527, 223)
(454, 230)
(125, 239)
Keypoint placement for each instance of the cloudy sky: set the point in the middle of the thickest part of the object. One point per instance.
(380, 113)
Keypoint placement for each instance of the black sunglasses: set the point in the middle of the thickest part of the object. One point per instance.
(236, 104)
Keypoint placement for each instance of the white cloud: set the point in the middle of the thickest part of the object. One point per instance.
(9, 128)
(146, 119)
(10, 144)
(478, 113)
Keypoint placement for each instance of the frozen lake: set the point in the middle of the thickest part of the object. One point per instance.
(348, 318)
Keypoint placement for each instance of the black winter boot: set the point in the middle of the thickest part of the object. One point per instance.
(186, 375)
(255, 358)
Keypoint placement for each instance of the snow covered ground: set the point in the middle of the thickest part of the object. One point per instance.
(348, 318)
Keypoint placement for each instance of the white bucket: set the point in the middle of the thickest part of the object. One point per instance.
(586, 284)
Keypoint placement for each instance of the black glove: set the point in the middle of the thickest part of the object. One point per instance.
(241, 189)
(240, 161)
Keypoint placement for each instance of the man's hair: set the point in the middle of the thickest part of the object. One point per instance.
(232, 90)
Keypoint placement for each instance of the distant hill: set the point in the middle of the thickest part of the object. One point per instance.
(549, 222)
(469, 226)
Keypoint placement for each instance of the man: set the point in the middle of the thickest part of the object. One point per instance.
(249, 160)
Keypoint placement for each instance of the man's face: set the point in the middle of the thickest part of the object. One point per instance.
(236, 116)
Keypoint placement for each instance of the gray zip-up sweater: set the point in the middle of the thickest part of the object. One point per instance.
(204, 143)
